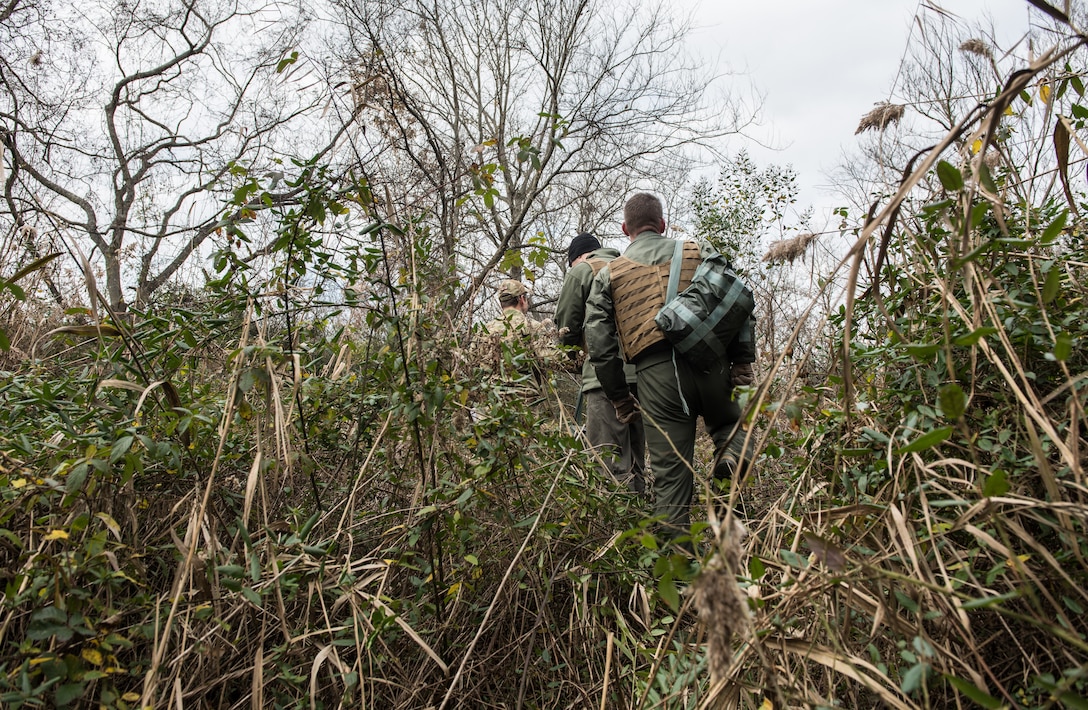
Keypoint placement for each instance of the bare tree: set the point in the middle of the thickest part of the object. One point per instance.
(951, 69)
(122, 121)
(512, 121)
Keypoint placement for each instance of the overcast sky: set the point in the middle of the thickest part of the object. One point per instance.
(821, 65)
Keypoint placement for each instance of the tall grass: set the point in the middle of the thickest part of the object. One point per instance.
(930, 550)
(255, 495)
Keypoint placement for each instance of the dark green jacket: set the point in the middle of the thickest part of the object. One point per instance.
(570, 312)
(602, 339)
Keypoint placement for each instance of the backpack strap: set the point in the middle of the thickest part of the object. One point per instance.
(674, 270)
(670, 294)
(596, 264)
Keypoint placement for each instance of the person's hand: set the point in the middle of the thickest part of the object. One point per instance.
(742, 374)
(575, 358)
(627, 410)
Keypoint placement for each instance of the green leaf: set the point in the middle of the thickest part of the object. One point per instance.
(1072, 700)
(949, 176)
(987, 179)
(874, 435)
(1052, 284)
(666, 588)
(756, 570)
(120, 448)
(34, 266)
(906, 602)
(47, 623)
(922, 350)
(5, 344)
(952, 400)
(978, 213)
(968, 689)
(984, 602)
(1063, 346)
(304, 531)
(286, 62)
(927, 440)
(76, 477)
(472, 560)
(252, 596)
(793, 559)
(68, 692)
(526, 521)
(995, 484)
(247, 379)
(1054, 229)
(974, 336)
(912, 679)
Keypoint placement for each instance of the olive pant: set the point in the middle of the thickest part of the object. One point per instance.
(664, 385)
(622, 446)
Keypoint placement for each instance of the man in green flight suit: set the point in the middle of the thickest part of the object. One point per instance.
(625, 296)
(622, 445)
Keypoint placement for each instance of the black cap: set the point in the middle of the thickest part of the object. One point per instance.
(582, 244)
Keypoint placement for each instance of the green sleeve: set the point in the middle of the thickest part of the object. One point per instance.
(602, 339)
(570, 312)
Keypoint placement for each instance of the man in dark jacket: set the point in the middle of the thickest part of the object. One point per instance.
(622, 445)
(625, 296)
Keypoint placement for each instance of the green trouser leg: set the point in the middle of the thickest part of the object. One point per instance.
(664, 388)
(622, 446)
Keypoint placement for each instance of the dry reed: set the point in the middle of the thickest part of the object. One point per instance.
(722, 606)
(883, 115)
(977, 46)
(789, 250)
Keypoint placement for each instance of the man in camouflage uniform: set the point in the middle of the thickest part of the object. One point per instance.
(622, 445)
(521, 348)
(625, 297)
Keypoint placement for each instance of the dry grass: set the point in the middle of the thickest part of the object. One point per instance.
(908, 579)
(467, 554)
(789, 250)
(882, 116)
(978, 47)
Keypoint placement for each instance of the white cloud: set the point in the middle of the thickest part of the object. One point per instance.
(821, 66)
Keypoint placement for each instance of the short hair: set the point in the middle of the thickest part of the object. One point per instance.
(643, 211)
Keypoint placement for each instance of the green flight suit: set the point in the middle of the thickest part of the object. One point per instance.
(627, 442)
(671, 394)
